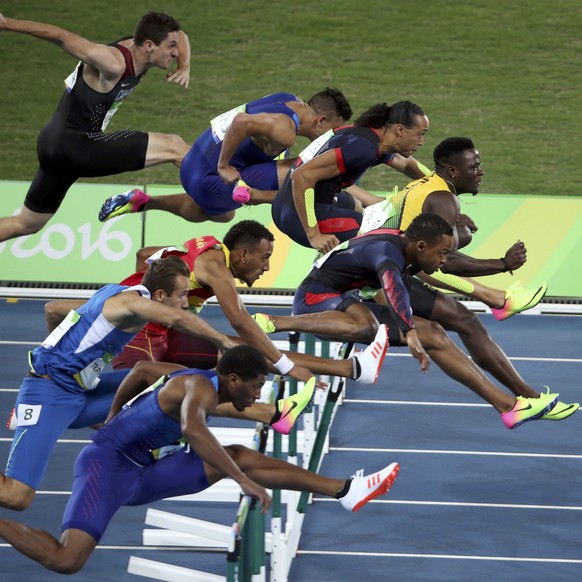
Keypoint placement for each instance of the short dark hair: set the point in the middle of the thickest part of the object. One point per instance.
(244, 361)
(246, 233)
(428, 227)
(154, 26)
(381, 114)
(450, 148)
(331, 102)
(162, 273)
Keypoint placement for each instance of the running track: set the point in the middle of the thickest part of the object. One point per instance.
(473, 501)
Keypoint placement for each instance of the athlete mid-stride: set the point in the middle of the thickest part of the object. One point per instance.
(74, 144)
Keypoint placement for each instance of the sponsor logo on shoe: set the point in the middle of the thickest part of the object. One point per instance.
(528, 407)
(286, 414)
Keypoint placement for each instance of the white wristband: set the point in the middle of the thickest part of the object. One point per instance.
(284, 364)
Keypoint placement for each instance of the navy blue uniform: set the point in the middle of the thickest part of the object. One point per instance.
(356, 150)
(119, 468)
(199, 173)
(372, 260)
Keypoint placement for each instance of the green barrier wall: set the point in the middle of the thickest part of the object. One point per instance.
(76, 248)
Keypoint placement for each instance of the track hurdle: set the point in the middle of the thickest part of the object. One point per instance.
(286, 543)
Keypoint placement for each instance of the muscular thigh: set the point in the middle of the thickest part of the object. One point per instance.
(285, 216)
(180, 473)
(261, 176)
(422, 298)
(103, 481)
(98, 401)
(340, 218)
(47, 191)
(202, 183)
(94, 154)
(454, 316)
(315, 296)
(44, 411)
(150, 344)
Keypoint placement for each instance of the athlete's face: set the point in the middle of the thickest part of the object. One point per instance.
(411, 138)
(163, 54)
(178, 298)
(433, 257)
(244, 393)
(466, 173)
(250, 263)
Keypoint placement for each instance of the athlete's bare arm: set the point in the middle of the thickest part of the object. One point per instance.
(106, 59)
(407, 166)
(304, 178)
(271, 132)
(211, 270)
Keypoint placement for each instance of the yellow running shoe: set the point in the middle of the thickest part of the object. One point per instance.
(560, 411)
(265, 322)
(289, 410)
(518, 299)
(526, 409)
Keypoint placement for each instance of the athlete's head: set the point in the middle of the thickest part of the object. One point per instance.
(428, 240)
(168, 281)
(404, 121)
(242, 371)
(457, 160)
(250, 245)
(158, 34)
(331, 103)
(328, 109)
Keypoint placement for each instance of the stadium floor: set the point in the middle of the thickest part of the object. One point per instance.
(473, 501)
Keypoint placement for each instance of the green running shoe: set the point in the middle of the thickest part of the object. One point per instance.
(291, 408)
(526, 409)
(265, 322)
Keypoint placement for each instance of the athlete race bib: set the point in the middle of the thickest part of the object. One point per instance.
(90, 376)
(72, 78)
(311, 150)
(376, 215)
(222, 122)
(28, 414)
(55, 336)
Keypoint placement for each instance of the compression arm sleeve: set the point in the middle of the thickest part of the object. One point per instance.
(310, 206)
(458, 283)
(423, 168)
(397, 296)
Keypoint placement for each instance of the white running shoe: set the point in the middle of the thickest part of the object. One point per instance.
(372, 357)
(367, 487)
(12, 422)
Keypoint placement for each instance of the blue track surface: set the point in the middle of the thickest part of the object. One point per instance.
(473, 501)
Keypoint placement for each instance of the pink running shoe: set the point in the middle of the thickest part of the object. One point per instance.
(241, 193)
(292, 407)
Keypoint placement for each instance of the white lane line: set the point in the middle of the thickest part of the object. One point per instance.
(513, 358)
(466, 504)
(453, 452)
(415, 403)
(62, 441)
(437, 556)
